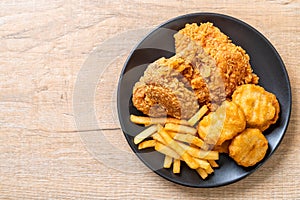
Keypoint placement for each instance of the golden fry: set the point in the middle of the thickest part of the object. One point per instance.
(209, 170)
(213, 163)
(201, 112)
(178, 149)
(180, 128)
(156, 120)
(199, 153)
(145, 134)
(189, 139)
(147, 144)
(202, 173)
(168, 161)
(166, 150)
(176, 166)
(204, 164)
(158, 138)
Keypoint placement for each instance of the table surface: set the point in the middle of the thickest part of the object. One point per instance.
(53, 99)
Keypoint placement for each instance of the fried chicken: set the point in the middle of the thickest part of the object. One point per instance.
(232, 60)
(161, 91)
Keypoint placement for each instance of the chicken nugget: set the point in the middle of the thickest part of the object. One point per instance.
(249, 147)
(223, 124)
(261, 108)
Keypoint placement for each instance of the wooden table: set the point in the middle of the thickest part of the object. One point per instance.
(47, 149)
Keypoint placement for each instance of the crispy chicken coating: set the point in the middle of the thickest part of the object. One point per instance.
(223, 124)
(206, 80)
(161, 92)
(249, 147)
(261, 108)
(232, 60)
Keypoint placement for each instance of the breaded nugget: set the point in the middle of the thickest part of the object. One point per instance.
(223, 124)
(261, 108)
(249, 147)
(223, 148)
(232, 60)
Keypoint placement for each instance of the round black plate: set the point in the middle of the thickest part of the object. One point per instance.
(265, 61)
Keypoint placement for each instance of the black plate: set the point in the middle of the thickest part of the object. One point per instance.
(265, 61)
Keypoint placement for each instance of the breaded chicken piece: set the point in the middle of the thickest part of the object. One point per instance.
(223, 124)
(161, 91)
(206, 79)
(261, 108)
(249, 147)
(232, 60)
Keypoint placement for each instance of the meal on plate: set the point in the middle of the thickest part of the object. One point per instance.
(203, 101)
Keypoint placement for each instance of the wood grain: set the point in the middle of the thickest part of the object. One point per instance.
(44, 46)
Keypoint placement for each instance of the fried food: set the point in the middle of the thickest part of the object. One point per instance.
(204, 76)
(177, 146)
(154, 120)
(223, 148)
(188, 138)
(199, 114)
(168, 161)
(261, 108)
(249, 147)
(180, 128)
(208, 70)
(231, 60)
(178, 149)
(223, 124)
(145, 134)
(166, 150)
(202, 173)
(176, 166)
(147, 144)
(161, 92)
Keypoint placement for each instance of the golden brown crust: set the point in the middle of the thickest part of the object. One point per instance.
(206, 79)
(161, 92)
(232, 60)
(249, 147)
(222, 125)
(261, 108)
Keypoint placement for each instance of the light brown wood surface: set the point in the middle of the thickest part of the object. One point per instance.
(45, 148)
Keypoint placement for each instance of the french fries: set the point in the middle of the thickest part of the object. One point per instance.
(154, 120)
(147, 144)
(202, 173)
(213, 163)
(189, 139)
(180, 128)
(199, 153)
(178, 141)
(166, 150)
(202, 163)
(178, 149)
(176, 166)
(158, 138)
(168, 161)
(201, 112)
(145, 134)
